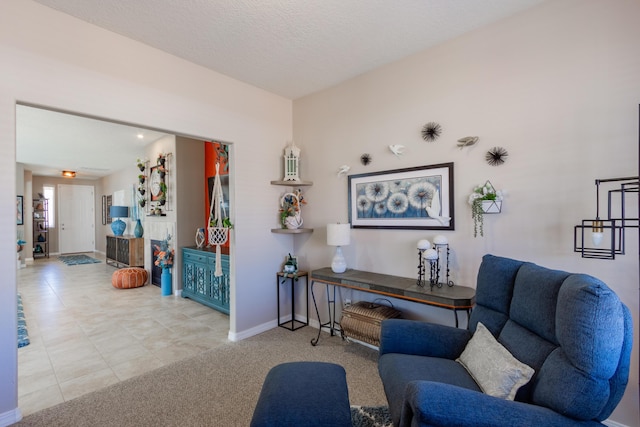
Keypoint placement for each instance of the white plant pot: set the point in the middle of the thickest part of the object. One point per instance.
(491, 206)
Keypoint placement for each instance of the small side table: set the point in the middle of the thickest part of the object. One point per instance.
(281, 279)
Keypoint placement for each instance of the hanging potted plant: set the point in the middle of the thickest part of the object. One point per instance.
(141, 178)
(141, 165)
(142, 202)
(161, 159)
(219, 222)
(484, 199)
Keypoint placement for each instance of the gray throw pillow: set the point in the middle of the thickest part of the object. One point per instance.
(491, 365)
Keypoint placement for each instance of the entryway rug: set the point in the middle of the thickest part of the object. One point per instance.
(370, 416)
(78, 259)
(23, 334)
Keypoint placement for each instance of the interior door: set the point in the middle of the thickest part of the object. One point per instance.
(76, 218)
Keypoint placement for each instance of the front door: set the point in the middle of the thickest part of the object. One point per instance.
(76, 214)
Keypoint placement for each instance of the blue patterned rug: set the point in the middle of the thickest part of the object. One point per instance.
(78, 259)
(23, 334)
(370, 416)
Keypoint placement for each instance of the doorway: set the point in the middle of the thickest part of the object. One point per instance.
(76, 217)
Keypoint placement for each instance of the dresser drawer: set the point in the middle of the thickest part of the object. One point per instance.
(193, 256)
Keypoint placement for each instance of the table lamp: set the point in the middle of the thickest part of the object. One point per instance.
(118, 226)
(338, 235)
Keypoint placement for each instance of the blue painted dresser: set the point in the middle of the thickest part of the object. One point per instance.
(199, 281)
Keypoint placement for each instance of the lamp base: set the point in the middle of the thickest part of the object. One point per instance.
(118, 226)
(339, 263)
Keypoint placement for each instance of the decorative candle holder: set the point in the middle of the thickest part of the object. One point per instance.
(431, 255)
(423, 245)
(442, 248)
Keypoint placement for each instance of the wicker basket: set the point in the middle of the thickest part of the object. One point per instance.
(362, 320)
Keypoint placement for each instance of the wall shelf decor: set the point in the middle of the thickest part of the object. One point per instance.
(292, 184)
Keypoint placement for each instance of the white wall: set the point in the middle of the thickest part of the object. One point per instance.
(53, 60)
(557, 86)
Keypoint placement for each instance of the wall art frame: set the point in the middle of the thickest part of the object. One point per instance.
(416, 198)
(109, 202)
(20, 210)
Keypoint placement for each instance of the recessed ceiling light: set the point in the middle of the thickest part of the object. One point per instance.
(140, 135)
(69, 174)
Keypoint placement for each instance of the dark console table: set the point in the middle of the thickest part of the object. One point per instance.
(454, 298)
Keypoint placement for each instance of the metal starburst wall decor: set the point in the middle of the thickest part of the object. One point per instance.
(365, 159)
(431, 131)
(496, 156)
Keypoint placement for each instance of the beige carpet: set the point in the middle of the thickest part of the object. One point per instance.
(217, 388)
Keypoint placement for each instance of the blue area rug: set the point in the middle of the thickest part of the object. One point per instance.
(78, 259)
(23, 335)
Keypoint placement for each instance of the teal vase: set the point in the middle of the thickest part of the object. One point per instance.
(138, 231)
(165, 282)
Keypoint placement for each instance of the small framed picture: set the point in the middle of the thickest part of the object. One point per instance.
(20, 210)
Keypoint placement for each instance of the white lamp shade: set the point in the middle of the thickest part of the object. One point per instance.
(338, 234)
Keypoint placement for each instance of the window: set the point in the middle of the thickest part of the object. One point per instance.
(50, 193)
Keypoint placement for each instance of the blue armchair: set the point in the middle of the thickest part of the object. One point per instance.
(570, 328)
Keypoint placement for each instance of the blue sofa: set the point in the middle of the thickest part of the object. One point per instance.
(570, 328)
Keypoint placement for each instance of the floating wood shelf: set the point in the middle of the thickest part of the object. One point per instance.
(292, 183)
(291, 231)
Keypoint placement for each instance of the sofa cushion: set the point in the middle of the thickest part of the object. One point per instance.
(535, 296)
(528, 348)
(491, 365)
(494, 290)
(397, 370)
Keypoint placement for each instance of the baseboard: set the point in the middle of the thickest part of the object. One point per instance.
(610, 423)
(239, 336)
(10, 417)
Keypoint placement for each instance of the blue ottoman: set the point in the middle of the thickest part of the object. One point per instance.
(303, 394)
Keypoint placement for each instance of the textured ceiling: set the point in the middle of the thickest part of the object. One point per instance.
(291, 47)
(288, 47)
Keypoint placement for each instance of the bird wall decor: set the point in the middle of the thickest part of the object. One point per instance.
(467, 141)
(343, 170)
(434, 209)
(397, 149)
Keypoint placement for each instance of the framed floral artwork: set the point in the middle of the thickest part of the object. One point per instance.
(412, 198)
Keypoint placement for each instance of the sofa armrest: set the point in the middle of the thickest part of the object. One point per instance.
(422, 338)
(429, 403)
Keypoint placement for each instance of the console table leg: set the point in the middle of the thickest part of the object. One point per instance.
(314, 341)
(330, 324)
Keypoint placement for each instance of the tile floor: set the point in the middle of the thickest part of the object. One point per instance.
(85, 334)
